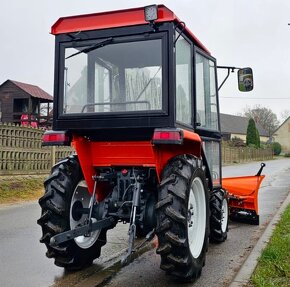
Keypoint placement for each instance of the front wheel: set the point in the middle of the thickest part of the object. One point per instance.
(219, 216)
(183, 218)
(65, 193)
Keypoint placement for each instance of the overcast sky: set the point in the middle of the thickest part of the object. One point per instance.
(245, 33)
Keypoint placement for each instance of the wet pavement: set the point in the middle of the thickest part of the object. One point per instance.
(23, 261)
(22, 257)
(223, 260)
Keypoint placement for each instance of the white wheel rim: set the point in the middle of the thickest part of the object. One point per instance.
(225, 215)
(196, 219)
(82, 195)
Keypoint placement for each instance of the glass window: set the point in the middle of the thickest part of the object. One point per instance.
(20, 105)
(212, 153)
(183, 81)
(206, 96)
(121, 77)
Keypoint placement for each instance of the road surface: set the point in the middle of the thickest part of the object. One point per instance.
(23, 263)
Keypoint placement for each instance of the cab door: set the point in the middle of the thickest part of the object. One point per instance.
(206, 117)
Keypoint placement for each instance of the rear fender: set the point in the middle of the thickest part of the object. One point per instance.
(243, 196)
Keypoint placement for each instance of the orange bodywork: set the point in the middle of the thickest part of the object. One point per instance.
(243, 192)
(130, 153)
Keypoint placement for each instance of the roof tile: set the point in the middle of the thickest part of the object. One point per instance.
(34, 91)
(238, 125)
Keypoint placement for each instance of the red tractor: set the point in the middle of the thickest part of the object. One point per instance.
(136, 95)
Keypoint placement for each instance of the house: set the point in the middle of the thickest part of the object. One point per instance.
(236, 126)
(282, 135)
(25, 104)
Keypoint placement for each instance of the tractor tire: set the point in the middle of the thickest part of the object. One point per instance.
(63, 190)
(219, 216)
(183, 218)
(147, 212)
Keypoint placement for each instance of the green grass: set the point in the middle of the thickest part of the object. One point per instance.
(19, 189)
(273, 267)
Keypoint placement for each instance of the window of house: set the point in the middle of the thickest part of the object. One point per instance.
(20, 105)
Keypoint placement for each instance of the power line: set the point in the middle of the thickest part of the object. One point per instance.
(255, 98)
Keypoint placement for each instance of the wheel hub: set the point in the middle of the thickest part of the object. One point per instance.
(190, 215)
(81, 200)
(76, 210)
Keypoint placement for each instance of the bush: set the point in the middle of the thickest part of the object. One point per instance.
(287, 154)
(253, 137)
(237, 142)
(276, 147)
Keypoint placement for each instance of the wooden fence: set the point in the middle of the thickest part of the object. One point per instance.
(21, 152)
(244, 154)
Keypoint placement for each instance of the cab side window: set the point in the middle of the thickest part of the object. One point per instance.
(206, 93)
(183, 81)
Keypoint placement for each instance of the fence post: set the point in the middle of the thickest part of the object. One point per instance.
(53, 152)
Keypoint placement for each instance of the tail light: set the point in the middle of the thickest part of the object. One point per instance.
(54, 138)
(167, 136)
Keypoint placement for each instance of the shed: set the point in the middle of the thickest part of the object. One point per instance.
(20, 101)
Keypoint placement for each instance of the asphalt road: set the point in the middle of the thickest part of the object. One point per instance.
(23, 261)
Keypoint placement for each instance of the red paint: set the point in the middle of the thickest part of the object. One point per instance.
(125, 154)
(115, 19)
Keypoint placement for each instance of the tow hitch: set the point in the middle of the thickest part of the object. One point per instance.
(89, 226)
(96, 210)
(83, 230)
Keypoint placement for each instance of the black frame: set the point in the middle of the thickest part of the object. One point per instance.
(152, 119)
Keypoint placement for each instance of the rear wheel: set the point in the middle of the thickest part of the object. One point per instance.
(65, 193)
(183, 218)
(219, 216)
(147, 214)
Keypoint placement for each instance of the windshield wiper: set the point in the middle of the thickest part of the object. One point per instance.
(147, 85)
(92, 47)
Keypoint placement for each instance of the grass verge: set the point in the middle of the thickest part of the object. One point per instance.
(20, 188)
(273, 267)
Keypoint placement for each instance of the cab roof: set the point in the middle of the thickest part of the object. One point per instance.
(114, 19)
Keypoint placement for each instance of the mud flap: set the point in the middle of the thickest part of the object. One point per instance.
(243, 197)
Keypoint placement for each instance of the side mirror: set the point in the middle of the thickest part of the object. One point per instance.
(245, 79)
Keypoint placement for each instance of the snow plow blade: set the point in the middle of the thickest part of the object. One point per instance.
(243, 197)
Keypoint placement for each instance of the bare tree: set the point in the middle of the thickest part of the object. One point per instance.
(285, 115)
(263, 116)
